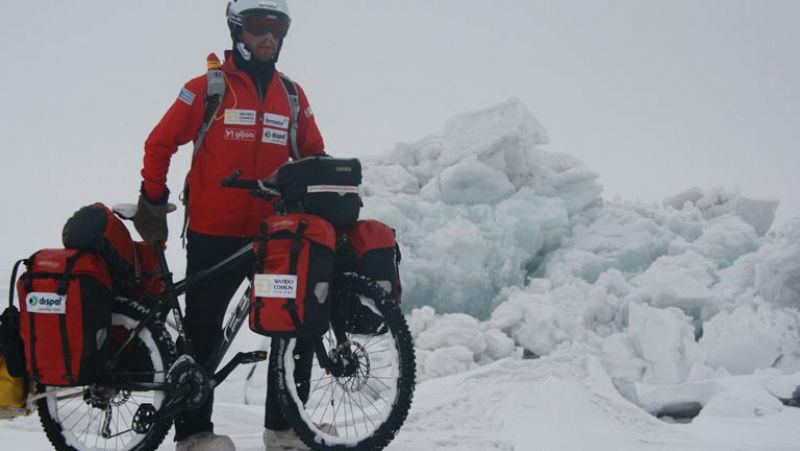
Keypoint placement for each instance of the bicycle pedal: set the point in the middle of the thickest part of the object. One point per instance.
(144, 418)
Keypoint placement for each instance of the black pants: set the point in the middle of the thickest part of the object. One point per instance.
(205, 311)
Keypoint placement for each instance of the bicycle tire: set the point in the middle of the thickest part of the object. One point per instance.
(388, 393)
(146, 359)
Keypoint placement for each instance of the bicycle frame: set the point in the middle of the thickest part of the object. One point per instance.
(169, 301)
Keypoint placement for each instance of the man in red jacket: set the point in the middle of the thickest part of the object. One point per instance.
(252, 132)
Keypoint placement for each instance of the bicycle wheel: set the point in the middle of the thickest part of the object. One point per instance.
(363, 410)
(101, 416)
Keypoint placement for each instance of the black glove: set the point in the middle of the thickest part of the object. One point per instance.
(151, 218)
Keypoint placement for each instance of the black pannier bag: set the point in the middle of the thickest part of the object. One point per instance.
(97, 229)
(11, 346)
(134, 265)
(322, 186)
(65, 301)
(13, 382)
(294, 266)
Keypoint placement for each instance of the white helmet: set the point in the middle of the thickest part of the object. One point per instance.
(238, 9)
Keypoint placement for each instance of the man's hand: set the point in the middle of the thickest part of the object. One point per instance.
(151, 218)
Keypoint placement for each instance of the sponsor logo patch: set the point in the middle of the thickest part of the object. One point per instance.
(186, 96)
(240, 117)
(273, 136)
(276, 120)
(240, 134)
(53, 303)
(275, 285)
(309, 112)
(49, 264)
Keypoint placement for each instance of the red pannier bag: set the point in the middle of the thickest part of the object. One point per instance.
(292, 278)
(376, 254)
(65, 301)
(133, 265)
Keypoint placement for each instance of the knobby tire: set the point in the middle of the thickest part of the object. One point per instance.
(362, 394)
(72, 422)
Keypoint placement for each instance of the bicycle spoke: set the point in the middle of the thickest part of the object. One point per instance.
(352, 413)
(73, 410)
(89, 423)
(372, 403)
(363, 411)
(336, 409)
(378, 379)
(331, 387)
(382, 367)
(87, 412)
(116, 428)
(322, 398)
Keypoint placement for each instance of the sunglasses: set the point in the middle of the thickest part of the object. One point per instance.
(262, 25)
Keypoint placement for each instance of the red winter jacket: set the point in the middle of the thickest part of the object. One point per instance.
(246, 134)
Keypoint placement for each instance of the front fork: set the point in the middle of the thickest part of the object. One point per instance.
(338, 361)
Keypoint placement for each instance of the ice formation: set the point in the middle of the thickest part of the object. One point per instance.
(477, 206)
(507, 245)
(759, 213)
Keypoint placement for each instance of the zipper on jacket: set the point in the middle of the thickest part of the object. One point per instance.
(262, 98)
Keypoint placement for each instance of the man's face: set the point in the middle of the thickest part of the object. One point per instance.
(262, 47)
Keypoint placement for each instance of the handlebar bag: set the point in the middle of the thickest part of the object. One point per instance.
(323, 186)
(65, 311)
(133, 265)
(294, 266)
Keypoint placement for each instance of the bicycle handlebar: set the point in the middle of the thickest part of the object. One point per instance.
(261, 188)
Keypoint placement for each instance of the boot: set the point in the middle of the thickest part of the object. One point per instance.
(284, 440)
(206, 441)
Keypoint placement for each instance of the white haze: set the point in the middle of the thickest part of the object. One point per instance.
(641, 99)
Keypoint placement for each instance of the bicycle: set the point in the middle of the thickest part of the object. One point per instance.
(359, 393)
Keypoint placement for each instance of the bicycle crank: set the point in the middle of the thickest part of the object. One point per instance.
(189, 386)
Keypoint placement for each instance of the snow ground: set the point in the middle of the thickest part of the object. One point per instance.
(511, 252)
(565, 402)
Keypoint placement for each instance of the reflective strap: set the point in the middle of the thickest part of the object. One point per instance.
(69, 376)
(294, 257)
(294, 104)
(338, 189)
(63, 285)
(32, 346)
(262, 248)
